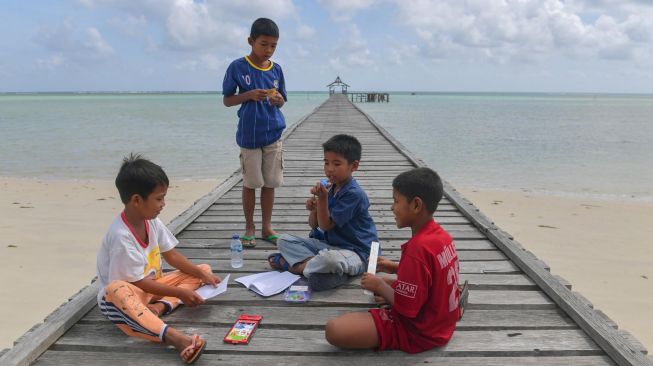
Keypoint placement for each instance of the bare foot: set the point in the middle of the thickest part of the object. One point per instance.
(190, 348)
(250, 231)
(298, 268)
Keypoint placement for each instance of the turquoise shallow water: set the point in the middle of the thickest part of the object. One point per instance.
(599, 145)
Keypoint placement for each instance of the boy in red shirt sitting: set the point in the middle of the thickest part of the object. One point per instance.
(424, 297)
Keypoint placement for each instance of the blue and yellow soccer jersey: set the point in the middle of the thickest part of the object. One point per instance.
(260, 123)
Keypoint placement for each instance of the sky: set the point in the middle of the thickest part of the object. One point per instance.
(595, 46)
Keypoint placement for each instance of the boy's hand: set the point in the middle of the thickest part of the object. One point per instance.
(276, 99)
(257, 94)
(211, 279)
(319, 191)
(383, 264)
(371, 282)
(311, 204)
(190, 297)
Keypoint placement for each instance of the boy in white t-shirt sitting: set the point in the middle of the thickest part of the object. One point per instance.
(133, 292)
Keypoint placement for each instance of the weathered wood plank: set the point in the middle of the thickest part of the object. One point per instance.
(387, 358)
(277, 342)
(470, 233)
(301, 220)
(301, 213)
(461, 244)
(282, 227)
(302, 317)
(235, 208)
(478, 299)
(224, 266)
(475, 255)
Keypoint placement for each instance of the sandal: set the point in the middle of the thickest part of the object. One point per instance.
(462, 299)
(275, 262)
(191, 353)
(248, 241)
(272, 238)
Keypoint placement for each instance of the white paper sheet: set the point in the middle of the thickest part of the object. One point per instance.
(371, 265)
(208, 291)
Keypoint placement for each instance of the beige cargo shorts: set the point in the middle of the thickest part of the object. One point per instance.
(262, 167)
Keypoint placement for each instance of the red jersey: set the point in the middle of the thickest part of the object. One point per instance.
(425, 309)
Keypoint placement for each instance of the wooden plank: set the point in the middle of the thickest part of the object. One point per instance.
(478, 299)
(283, 227)
(279, 342)
(302, 317)
(390, 358)
(614, 344)
(39, 338)
(201, 253)
(224, 266)
(470, 233)
(235, 208)
(301, 220)
(462, 244)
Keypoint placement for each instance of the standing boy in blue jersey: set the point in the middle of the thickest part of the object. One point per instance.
(261, 93)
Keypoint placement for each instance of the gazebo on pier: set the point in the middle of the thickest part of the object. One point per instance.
(340, 83)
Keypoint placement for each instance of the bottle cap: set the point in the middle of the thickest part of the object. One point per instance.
(235, 236)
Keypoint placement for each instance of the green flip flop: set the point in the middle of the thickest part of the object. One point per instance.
(272, 238)
(248, 241)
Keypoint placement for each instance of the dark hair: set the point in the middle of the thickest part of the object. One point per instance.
(420, 182)
(345, 145)
(264, 27)
(139, 176)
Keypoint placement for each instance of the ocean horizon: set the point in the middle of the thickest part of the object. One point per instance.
(568, 144)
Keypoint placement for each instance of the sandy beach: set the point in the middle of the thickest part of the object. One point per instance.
(602, 247)
(51, 231)
(49, 237)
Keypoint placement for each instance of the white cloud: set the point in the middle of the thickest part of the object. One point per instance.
(401, 53)
(198, 25)
(67, 43)
(130, 25)
(214, 63)
(95, 44)
(526, 29)
(305, 32)
(343, 10)
(51, 63)
(354, 51)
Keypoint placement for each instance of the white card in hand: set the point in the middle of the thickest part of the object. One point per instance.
(208, 291)
(371, 264)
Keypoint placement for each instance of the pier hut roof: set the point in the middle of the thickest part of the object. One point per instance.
(337, 82)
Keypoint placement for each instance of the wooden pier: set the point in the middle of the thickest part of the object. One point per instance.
(369, 97)
(518, 312)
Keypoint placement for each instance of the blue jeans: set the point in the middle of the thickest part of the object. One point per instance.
(326, 258)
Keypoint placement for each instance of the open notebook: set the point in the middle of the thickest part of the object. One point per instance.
(268, 283)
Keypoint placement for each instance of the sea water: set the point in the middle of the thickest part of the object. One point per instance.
(568, 144)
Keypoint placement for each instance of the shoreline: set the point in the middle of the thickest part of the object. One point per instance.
(52, 230)
(599, 246)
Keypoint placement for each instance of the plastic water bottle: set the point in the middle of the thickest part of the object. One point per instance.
(236, 252)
